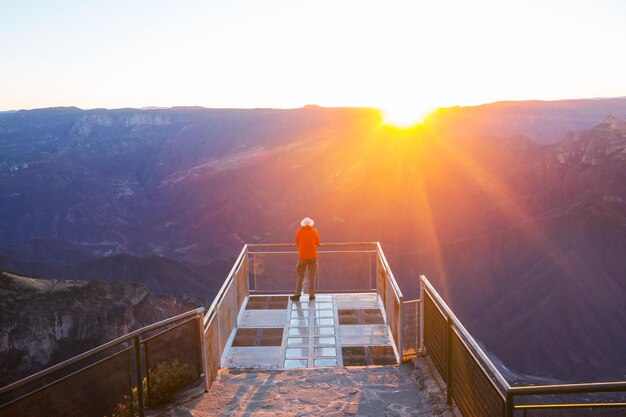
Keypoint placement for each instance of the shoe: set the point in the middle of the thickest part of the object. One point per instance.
(311, 297)
(295, 298)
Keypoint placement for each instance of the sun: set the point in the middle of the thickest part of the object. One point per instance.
(405, 117)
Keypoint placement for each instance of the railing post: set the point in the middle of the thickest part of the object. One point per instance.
(146, 354)
(130, 381)
(417, 331)
(369, 267)
(400, 325)
(377, 273)
(448, 360)
(235, 289)
(246, 259)
(254, 270)
(218, 331)
(202, 346)
(509, 404)
(421, 321)
(318, 277)
(140, 403)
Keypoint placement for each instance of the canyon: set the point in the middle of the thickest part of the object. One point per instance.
(515, 211)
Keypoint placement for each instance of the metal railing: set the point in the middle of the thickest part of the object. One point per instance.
(342, 267)
(477, 386)
(117, 377)
(221, 318)
(410, 329)
(119, 373)
(354, 267)
(114, 377)
(392, 298)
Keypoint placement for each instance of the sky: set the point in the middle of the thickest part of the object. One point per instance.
(404, 56)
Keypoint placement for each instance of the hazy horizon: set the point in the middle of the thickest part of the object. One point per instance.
(149, 107)
(400, 56)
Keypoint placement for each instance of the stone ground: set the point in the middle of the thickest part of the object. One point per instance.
(410, 389)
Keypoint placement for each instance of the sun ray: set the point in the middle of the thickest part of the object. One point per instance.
(506, 201)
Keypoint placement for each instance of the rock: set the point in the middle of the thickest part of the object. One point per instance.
(395, 394)
(145, 120)
(86, 124)
(45, 321)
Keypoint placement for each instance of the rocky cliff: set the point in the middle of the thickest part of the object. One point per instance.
(603, 143)
(45, 321)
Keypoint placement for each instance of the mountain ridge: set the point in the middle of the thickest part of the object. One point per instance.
(478, 214)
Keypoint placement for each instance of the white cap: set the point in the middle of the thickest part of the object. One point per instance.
(307, 221)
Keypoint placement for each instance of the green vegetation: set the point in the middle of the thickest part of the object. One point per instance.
(166, 379)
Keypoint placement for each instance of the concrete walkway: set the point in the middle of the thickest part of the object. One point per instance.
(401, 390)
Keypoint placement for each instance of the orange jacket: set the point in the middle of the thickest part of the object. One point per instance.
(307, 240)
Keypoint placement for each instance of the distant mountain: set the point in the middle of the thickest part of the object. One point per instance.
(51, 258)
(110, 180)
(43, 322)
(46, 252)
(543, 121)
(161, 275)
(520, 237)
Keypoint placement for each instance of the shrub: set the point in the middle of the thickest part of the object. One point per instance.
(165, 381)
(122, 409)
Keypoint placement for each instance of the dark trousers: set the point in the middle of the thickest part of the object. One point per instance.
(303, 265)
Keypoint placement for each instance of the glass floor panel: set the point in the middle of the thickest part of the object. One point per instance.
(325, 341)
(325, 351)
(324, 321)
(296, 363)
(324, 331)
(297, 352)
(298, 331)
(311, 333)
(298, 341)
(325, 362)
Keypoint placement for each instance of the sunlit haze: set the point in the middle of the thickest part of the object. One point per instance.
(404, 57)
(404, 116)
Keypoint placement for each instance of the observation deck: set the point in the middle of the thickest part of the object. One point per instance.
(257, 353)
(349, 323)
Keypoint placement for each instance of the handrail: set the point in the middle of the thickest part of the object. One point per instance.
(270, 245)
(470, 340)
(577, 405)
(229, 278)
(154, 336)
(396, 288)
(319, 251)
(326, 249)
(293, 245)
(103, 347)
(590, 387)
(507, 392)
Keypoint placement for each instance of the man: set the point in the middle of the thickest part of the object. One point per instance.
(307, 240)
